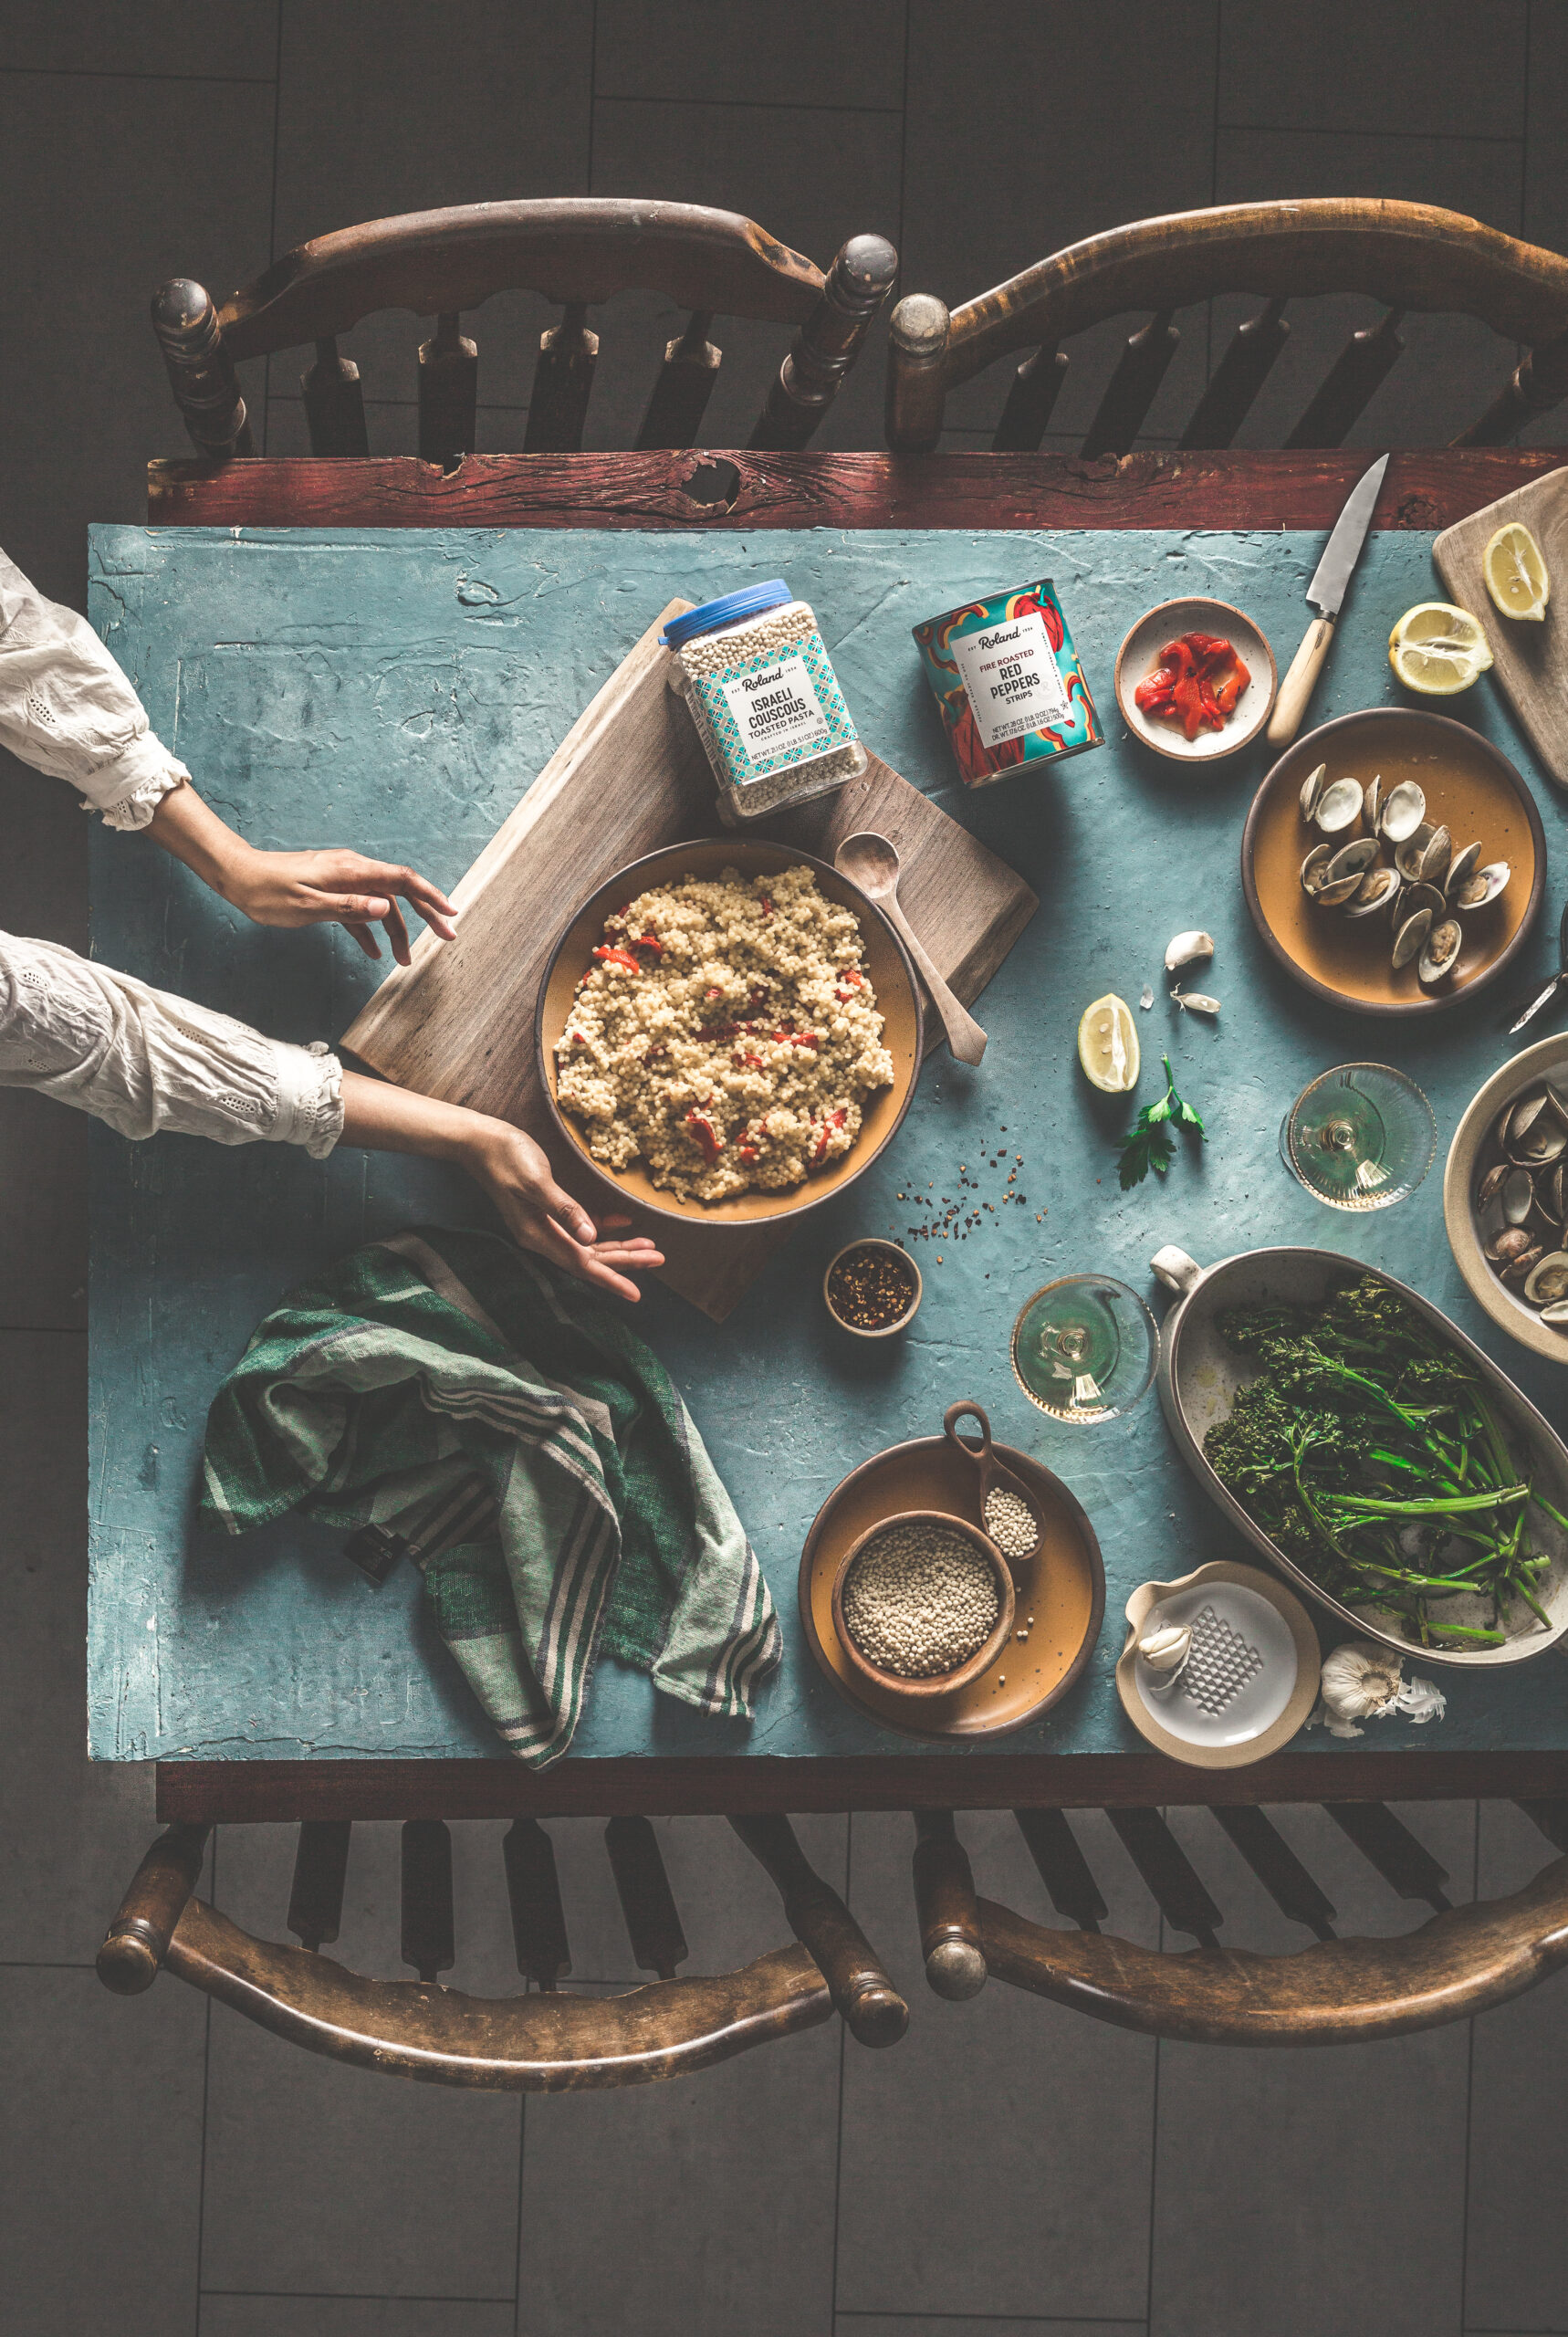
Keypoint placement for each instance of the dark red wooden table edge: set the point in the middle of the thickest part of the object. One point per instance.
(733, 490)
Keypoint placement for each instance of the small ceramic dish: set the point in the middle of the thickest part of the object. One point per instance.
(940, 1684)
(1139, 654)
(1470, 788)
(1250, 1679)
(883, 1330)
(1544, 1064)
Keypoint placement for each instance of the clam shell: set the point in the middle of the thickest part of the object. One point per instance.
(1424, 896)
(1339, 890)
(1374, 804)
(1518, 1196)
(1546, 1284)
(1485, 886)
(1511, 1243)
(1376, 891)
(1524, 1111)
(1339, 806)
(1314, 869)
(1462, 868)
(1411, 937)
(1311, 788)
(1556, 1315)
(1408, 850)
(1353, 859)
(1547, 1140)
(1519, 1270)
(1402, 812)
(1441, 954)
(1490, 1183)
(1435, 857)
(1551, 1191)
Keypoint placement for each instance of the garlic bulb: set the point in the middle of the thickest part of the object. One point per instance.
(1361, 1681)
(1166, 1650)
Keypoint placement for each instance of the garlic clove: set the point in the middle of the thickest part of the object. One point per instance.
(1185, 950)
(1166, 1650)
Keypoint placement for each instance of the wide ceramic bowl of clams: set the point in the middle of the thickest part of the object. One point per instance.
(1393, 862)
(1505, 1198)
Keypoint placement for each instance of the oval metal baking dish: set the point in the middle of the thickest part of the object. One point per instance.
(1199, 1376)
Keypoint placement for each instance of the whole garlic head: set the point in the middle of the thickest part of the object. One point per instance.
(1361, 1681)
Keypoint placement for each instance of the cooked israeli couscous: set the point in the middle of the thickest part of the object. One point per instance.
(726, 1033)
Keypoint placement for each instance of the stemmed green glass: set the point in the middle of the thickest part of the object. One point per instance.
(1084, 1349)
(1360, 1137)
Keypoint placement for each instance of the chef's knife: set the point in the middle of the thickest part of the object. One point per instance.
(1325, 593)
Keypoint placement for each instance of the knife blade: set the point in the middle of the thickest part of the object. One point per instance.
(1326, 594)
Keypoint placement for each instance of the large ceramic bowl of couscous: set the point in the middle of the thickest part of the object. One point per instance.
(727, 1032)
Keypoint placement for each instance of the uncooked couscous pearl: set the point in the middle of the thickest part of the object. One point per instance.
(1010, 1522)
(920, 1600)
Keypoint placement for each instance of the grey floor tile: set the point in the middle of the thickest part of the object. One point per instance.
(81, 384)
(809, 175)
(510, 122)
(729, 1909)
(712, 2200)
(179, 36)
(999, 2160)
(1276, 2191)
(1452, 365)
(255, 1872)
(100, 2160)
(1393, 70)
(1026, 193)
(1517, 2265)
(74, 1830)
(796, 53)
(883, 2325)
(226, 2316)
(329, 2180)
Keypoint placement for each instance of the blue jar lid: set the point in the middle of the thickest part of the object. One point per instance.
(749, 601)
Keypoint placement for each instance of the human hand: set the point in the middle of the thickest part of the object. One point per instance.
(297, 889)
(541, 1215)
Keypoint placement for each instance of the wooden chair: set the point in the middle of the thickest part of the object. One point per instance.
(1407, 255)
(545, 2042)
(1336, 1992)
(577, 251)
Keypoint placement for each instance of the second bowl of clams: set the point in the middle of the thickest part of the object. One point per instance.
(1505, 1196)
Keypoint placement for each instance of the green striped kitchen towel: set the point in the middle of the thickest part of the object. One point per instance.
(437, 1355)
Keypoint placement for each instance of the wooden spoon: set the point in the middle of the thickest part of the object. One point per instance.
(992, 1473)
(871, 862)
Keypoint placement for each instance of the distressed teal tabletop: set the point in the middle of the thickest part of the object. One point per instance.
(397, 691)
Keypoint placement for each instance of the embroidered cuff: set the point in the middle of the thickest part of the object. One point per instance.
(309, 1097)
(136, 783)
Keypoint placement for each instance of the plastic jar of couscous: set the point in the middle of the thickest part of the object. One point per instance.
(761, 688)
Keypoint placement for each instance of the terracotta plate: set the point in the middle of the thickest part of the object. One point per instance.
(1470, 787)
(886, 960)
(1062, 1586)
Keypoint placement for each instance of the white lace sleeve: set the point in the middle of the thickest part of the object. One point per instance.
(67, 708)
(143, 1060)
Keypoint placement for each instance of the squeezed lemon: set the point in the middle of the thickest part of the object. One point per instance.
(1515, 573)
(1108, 1045)
(1437, 649)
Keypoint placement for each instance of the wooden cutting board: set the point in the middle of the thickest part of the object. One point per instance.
(1531, 660)
(629, 776)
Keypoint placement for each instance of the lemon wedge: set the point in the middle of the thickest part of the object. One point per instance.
(1108, 1045)
(1437, 649)
(1516, 573)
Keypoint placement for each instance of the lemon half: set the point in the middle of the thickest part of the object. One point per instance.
(1108, 1045)
(1437, 649)
(1516, 574)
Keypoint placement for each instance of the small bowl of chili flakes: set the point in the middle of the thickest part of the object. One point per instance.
(872, 1288)
(1195, 680)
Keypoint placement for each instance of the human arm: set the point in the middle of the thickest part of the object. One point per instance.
(67, 709)
(511, 1168)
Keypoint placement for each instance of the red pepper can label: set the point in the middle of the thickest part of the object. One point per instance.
(1008, 680)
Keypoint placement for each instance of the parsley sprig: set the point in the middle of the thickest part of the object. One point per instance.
(1148, 1143)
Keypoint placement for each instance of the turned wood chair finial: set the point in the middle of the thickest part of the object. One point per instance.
(579, 252)
(1410, 256)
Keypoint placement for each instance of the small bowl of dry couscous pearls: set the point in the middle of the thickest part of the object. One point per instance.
(923, 1603)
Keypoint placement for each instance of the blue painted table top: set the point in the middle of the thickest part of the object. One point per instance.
(397, 691)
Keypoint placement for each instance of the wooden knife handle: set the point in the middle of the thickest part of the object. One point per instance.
(1299, 683)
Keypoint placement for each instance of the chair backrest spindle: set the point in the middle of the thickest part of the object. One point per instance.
(1237, 378)
(539, 1920)
(1347, 389)
(652, 1924)
(448, 394)
(1277, 1867)
(1036, 386)
(1168, 1871)
(334, 403)
(682, 387)
(563, 380)
(1131, 388)
(428, 1941)
(827, 344)
(321, 1869)
(1062, 1866)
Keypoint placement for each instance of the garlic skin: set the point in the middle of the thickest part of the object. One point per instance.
(1361, 1681)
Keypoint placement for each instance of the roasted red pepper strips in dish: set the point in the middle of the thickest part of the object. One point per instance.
(1197, 683)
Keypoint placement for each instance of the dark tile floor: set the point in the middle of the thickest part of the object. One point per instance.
(1010, 2167)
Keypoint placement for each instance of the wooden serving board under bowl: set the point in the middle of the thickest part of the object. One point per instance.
(629, 777)
(1530, 660)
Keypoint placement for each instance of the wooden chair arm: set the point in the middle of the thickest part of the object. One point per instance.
(138, 1939)
(571, 249)
(1337, 1991)
(873, 2010)
(529, 2044)
(946, 1905)
(1407, 255)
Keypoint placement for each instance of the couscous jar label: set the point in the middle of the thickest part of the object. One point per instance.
(1008, 682)
(770, 711)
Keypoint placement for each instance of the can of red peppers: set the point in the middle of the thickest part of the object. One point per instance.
(1008, 680)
